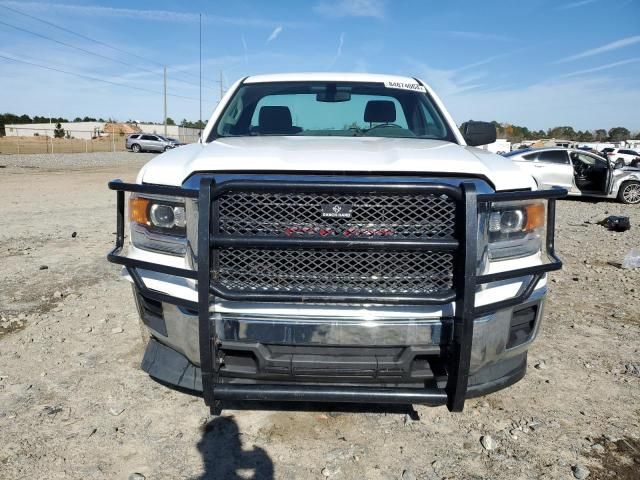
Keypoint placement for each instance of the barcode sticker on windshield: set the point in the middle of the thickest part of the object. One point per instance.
(416, 87)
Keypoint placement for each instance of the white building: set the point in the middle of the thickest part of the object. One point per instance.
(83, 130)
(89, 130)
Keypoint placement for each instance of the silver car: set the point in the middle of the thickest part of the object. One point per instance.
(581, 173)
(146, 142)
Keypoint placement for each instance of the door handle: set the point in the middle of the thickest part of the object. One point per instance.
(539, 166)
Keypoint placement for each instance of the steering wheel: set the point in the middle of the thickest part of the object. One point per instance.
(386, 125)
(581, 169)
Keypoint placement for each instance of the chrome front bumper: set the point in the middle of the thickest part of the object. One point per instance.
(178, 330)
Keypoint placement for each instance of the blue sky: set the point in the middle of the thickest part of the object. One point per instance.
(539, 63)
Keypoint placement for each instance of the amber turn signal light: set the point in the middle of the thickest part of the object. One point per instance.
(138, 210)
(535, 216)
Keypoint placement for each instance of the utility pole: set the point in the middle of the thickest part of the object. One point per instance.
(221, 86)
(200, 72)
(165, 101)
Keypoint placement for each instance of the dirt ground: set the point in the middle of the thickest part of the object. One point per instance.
(74, 403)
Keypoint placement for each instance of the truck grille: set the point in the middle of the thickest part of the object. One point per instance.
(417, 216)
(333, 271)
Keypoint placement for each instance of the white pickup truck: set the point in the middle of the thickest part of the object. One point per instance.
(335, 237)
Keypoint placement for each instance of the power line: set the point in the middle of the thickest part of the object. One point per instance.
(100, 42)
(88, 52)
(81, 35)
(95, 79)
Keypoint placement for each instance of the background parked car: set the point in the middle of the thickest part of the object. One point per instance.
(175, 142)
(581, 173)
(625, 154)
(143, 142)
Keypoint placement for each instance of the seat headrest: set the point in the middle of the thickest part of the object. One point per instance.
(380, 111)
(275, 119)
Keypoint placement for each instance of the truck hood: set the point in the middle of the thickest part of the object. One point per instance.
(334, 154)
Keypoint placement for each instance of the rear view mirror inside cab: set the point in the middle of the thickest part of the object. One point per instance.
(334, 94)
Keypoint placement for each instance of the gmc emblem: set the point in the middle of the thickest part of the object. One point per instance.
(336, 210)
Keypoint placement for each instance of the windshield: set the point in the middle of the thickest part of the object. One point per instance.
(344, 109)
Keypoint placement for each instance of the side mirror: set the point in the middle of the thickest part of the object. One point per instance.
(478, 133)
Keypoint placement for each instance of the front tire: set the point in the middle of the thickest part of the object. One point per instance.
(136, 148)
(629, 192)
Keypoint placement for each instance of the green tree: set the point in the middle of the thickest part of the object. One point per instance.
(188, 124)
(585, 136)
(77, 119)
(600, 135)
(58, 132)
(564, 133)
(617, 134)
(170, 121)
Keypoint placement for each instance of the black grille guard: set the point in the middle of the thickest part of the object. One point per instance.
(465, 281)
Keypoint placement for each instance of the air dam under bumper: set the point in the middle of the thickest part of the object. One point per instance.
(403, 354)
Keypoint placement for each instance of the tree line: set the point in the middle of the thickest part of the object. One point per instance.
(515, 133)
(512, 133)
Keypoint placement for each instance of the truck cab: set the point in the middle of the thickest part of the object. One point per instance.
(336, 237)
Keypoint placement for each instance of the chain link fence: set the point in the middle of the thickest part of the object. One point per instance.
(33, 140)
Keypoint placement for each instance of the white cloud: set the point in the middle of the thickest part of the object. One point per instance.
(623, 42)
(477, 35)
(580, 3)
(584, 103)
(338, 51)
(245, 49)
(351, 8)
(139, 14)
(481, 62)
(276, 31)
(601, 68)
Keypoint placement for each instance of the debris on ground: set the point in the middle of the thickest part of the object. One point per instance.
(631, 259)
(616, 223)
(580, 472)
(488, 443)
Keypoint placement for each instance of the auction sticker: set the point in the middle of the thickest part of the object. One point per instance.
(416, 87)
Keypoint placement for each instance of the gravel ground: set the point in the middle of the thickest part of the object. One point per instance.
(67, 161)
(74, 403)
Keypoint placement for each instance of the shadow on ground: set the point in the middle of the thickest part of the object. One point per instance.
(225, 457)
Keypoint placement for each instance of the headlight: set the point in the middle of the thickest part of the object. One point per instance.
(158, 223)
(515, 229)
(167, 217)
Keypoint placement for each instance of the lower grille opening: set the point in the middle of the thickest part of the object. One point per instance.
(523, 323)
(328, 271)
(151, 313)
(330, 364)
